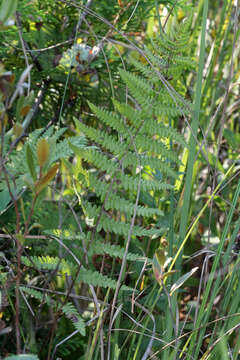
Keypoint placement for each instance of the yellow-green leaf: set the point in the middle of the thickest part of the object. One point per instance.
(45, 180)
(42, 152)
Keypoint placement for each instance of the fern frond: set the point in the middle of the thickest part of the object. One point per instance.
(98, 247)
(136, 82)
(121, 228)
(71, 313)
(132, 143)
(49, 263)
(85, 275)
(162, 131)
(117, 202)
(154, 163)
(107, 141)
(131, 183)
(109, 118)
(99, 160)
(96, 279)
(146, 69)
(143, 94)
(36, 294)
(156, 147)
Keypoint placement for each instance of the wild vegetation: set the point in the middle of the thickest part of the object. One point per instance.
(119, 180)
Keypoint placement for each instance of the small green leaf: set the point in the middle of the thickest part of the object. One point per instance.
(30, 162)
(182, 280)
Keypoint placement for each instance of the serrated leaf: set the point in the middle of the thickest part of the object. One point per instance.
(71, 313)
(80, 326)
(30, 162)
(182, 280)
(36, 294)
(75, 149)
(45, 180)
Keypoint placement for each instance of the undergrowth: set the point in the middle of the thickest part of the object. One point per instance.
(120, 214)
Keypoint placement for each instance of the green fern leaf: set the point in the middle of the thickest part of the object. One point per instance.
(71, 313)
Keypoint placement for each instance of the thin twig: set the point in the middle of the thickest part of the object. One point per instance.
(19, 25)
(6, 236)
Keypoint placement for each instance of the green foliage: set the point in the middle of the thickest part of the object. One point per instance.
(72, 314)
(85, 275)
(36, 294)
(58, 149)
(139, 140)
(68, 309)
(124, 104)
(129, 144)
